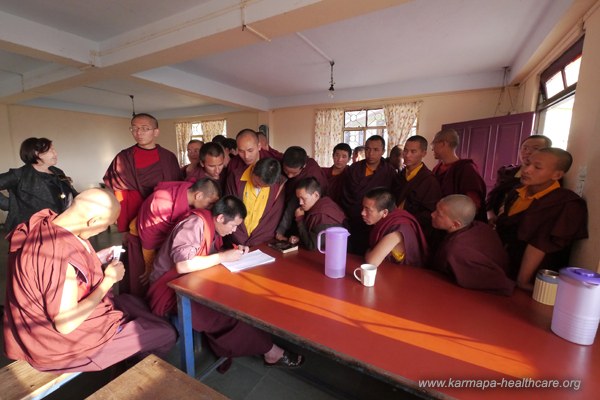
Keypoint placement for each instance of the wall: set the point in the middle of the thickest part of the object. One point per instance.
(295, 126)
(85, 143)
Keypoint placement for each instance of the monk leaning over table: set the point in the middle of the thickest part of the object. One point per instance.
(60, 314)
(395, 233)
(193, 245)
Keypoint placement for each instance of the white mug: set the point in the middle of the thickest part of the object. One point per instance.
(367, 274)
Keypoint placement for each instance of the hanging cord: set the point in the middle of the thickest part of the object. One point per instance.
(502, 91)
(132, 105)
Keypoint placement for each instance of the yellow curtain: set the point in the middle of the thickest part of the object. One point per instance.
(210, 129)
(183, 134)
(399, 119)
(329, 131)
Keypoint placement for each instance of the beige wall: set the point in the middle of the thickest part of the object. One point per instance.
(295, 126)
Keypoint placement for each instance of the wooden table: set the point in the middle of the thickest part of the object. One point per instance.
(153, 378)
(412, 325)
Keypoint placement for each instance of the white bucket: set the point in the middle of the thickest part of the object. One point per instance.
(576, 311)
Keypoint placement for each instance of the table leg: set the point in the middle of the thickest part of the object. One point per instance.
(184, 310)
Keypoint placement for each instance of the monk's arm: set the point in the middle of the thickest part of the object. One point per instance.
(71, 312)
(202, 262)
(378, 253)
(532, 258)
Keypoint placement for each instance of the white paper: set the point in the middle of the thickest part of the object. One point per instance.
(249, 260)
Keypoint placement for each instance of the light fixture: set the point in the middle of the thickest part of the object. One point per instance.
(331, 82)
(132, 106)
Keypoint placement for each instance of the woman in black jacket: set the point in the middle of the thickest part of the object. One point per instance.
(36, 185)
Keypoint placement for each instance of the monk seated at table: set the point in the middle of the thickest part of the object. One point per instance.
(60, 314)
(315, 214)
(193, 245)
(541, 220)
(471, 252)
(395, 233)
(261, 189)
(167, 205)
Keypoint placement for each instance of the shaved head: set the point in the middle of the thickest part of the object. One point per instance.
(460, 208)
(449, 136)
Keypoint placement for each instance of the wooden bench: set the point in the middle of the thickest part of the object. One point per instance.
(20, 381)
(153, 378)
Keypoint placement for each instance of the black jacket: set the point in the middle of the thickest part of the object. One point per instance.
(31, 191)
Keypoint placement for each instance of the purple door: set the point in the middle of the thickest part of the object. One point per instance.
(492, 142)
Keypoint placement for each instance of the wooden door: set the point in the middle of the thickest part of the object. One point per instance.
(492, 142)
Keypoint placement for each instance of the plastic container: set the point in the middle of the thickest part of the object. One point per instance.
(576, 311)
(336, 245)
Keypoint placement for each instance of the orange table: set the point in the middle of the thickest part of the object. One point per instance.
(413, 325)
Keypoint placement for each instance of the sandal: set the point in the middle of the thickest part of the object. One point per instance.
(288, 360)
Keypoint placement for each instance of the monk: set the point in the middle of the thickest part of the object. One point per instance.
(135, 171)
(541, 220)
(455, 175)
(261, 187)
(60, 314)
(471, 253)
(263, 140)
(508, 177)
(315, 213)
(193, 154)
(334, 174)
(132, 175)
(419, 190)
(211, 164)
(296, 165)
(362, 176)
(395, 159)
(395, 234)
(193, 245)
(249, 152)
(358, 154)
(167, 205)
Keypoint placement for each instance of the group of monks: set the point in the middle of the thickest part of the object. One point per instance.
(233, 196)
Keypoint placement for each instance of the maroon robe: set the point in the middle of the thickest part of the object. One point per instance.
(324, 214)
(475, 259)
(420, 196)
(355, 186)
(40, 253)
(265, 230)
(227, 336)
(133, 185)
(505, 182)
(415, 245)
(335, 184)
(310, 170)
(161, 211)
(550, 224)
(462, 177)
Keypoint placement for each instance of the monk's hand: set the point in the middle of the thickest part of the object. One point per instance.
(294, 239)
(299, 213)
(281, 237)
(114, 271)
(231, 255)
(105, 255)
(244, 249)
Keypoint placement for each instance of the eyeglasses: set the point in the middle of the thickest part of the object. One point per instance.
(134, 129)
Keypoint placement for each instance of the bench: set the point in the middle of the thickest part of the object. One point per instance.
(20, 381)
(153, 378)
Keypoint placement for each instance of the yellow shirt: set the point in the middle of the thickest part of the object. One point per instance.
(255, 199)
(524, 201)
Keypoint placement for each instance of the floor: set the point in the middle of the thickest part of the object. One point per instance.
(319, 378)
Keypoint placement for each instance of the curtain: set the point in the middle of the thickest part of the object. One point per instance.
(329, 131)
(183, 134)
(399, 119)
(210, 129)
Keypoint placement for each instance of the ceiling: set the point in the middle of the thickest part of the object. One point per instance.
(181, 58)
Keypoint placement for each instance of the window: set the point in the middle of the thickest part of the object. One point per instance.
(557, 95)
(199, 135)
(359, 125)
